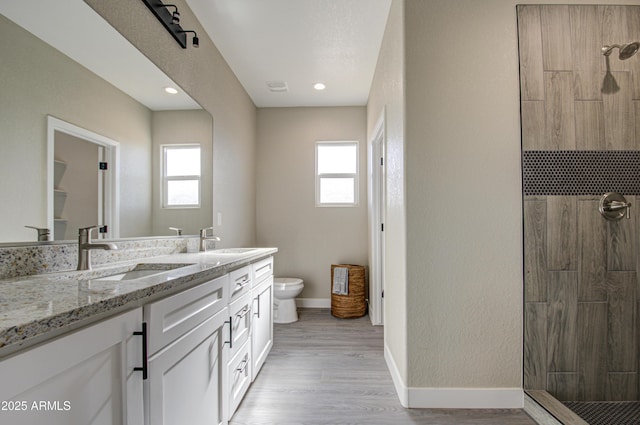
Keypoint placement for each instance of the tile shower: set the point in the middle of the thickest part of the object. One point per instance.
(580, 139)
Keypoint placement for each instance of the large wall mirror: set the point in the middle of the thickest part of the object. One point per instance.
(86, 75)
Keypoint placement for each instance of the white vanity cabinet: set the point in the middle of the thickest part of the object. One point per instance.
(262, 306)
(188, 358)
(239, 366)
(87, 376)
(188, 335)
(251, 313)
(201, 345)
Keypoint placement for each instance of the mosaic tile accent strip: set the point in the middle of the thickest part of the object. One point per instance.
(566, 173)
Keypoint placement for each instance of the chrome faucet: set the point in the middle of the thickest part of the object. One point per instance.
(43, 233)
(204, 238)
(85, 246)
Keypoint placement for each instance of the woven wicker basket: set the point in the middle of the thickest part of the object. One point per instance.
(355, 303)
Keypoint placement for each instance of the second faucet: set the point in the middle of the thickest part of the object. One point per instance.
(85, 246)
(204, 238)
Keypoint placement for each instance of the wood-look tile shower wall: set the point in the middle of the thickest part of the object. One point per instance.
(581, 271)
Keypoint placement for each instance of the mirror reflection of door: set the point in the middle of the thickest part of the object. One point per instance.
(80, 191)
(78, 185)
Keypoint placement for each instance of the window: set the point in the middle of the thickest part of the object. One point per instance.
(336, 173)
(181, 176)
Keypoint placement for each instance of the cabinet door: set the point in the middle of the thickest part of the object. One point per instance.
(187, 378)
(262, 331)
(85, 377)
(240, 316)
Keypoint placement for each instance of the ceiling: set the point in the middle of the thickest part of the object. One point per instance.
(80, 38)
(299, 42)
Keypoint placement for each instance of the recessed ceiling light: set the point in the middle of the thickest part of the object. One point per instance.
(170, 90)
(319, 86)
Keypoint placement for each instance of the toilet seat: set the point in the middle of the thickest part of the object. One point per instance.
(283, 283)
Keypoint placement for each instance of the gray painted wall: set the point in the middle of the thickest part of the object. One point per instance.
(309, 238)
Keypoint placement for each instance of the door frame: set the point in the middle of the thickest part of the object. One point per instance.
(377, 207)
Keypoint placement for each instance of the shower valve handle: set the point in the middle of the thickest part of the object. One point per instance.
(617, 205)
(614, 206)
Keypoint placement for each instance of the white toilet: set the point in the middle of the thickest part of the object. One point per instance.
(285, 291)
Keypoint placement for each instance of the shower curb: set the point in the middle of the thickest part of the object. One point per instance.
(562, 414)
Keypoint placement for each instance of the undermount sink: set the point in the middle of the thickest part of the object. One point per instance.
(143, 270)
(233, 250)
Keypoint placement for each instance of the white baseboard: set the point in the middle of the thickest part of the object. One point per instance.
(452, 398)
(313, 302)
(401, 388)
(466, 398)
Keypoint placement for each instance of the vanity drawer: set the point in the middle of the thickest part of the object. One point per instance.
(240, 282)
(240, 314)
(239, 375)
(172, 317)
(261, 270)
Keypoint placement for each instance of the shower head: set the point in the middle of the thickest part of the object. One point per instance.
(626, 50)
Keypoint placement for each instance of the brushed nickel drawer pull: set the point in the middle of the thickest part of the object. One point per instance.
(243, 366)
(230, 322)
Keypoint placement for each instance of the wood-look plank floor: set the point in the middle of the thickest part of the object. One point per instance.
(324, 370)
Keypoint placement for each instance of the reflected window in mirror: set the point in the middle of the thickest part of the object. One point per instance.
(181, 176)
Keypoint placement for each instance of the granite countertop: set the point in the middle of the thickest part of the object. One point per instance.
(39, 307)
